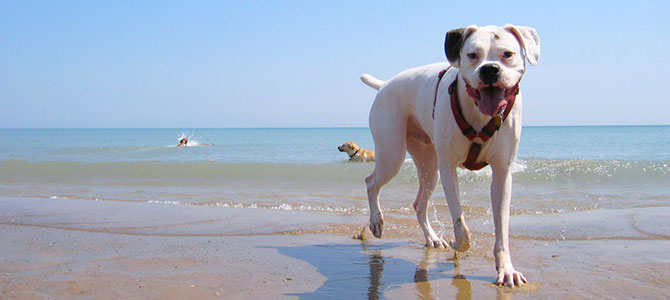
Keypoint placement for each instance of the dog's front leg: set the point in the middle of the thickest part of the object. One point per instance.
(501, 194)
(462, 237)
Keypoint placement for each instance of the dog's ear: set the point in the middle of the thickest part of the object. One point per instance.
(529, 40)
(453, 43)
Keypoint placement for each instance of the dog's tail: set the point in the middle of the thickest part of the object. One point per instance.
(371, 81)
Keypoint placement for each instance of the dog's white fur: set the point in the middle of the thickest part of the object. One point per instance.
(357, 153)
(401, 120)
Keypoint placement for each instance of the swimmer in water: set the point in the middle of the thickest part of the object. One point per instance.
(183, 142)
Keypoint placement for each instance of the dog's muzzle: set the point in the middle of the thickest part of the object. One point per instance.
(491, 100)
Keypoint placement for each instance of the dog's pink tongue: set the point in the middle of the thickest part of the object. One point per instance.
(491, 100)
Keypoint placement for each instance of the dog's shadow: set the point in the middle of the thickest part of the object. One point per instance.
(363, 271)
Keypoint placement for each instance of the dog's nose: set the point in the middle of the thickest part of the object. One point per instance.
(489, 74)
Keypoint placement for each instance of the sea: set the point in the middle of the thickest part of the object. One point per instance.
(557, 170)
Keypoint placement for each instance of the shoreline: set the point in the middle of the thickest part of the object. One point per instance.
(64, 249)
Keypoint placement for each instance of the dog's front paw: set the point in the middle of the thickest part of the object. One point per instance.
(462, 236)
(510, 277)
(436, 243)
(460, 245)
(377, 224)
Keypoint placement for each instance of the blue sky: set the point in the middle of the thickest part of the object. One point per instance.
(91, 64)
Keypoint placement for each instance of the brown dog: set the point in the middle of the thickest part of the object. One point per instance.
(357, 153)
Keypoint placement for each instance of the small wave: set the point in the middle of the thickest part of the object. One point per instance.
(518, 166)
(172, 202)
(215, 172)
(283, 206)
(596, 170)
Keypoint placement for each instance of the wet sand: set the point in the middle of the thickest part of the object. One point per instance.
(82, 249)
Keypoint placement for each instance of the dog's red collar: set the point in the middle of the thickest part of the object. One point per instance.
(487, 131)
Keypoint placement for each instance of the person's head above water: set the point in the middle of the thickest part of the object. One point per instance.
(183, 142)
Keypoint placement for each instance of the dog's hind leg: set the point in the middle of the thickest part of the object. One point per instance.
(390, 147)
(425, 159)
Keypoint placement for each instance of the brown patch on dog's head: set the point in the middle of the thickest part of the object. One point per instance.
(453, 43)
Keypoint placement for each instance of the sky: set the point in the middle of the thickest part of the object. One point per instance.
(222, 64)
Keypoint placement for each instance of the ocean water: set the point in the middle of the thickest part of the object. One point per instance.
(558, 169)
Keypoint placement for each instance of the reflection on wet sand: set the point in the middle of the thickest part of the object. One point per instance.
(364, 271)
(422, 280)
(376, 274)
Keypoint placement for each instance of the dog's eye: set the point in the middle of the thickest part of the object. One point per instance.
(472, 55)
(508, 54)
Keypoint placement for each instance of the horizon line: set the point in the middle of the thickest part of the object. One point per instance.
(289, 127)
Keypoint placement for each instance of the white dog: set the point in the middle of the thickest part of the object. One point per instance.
(467, 114)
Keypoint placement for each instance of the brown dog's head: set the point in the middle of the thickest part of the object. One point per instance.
(349, 147)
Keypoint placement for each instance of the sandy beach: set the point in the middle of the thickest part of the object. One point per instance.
(74, 249)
